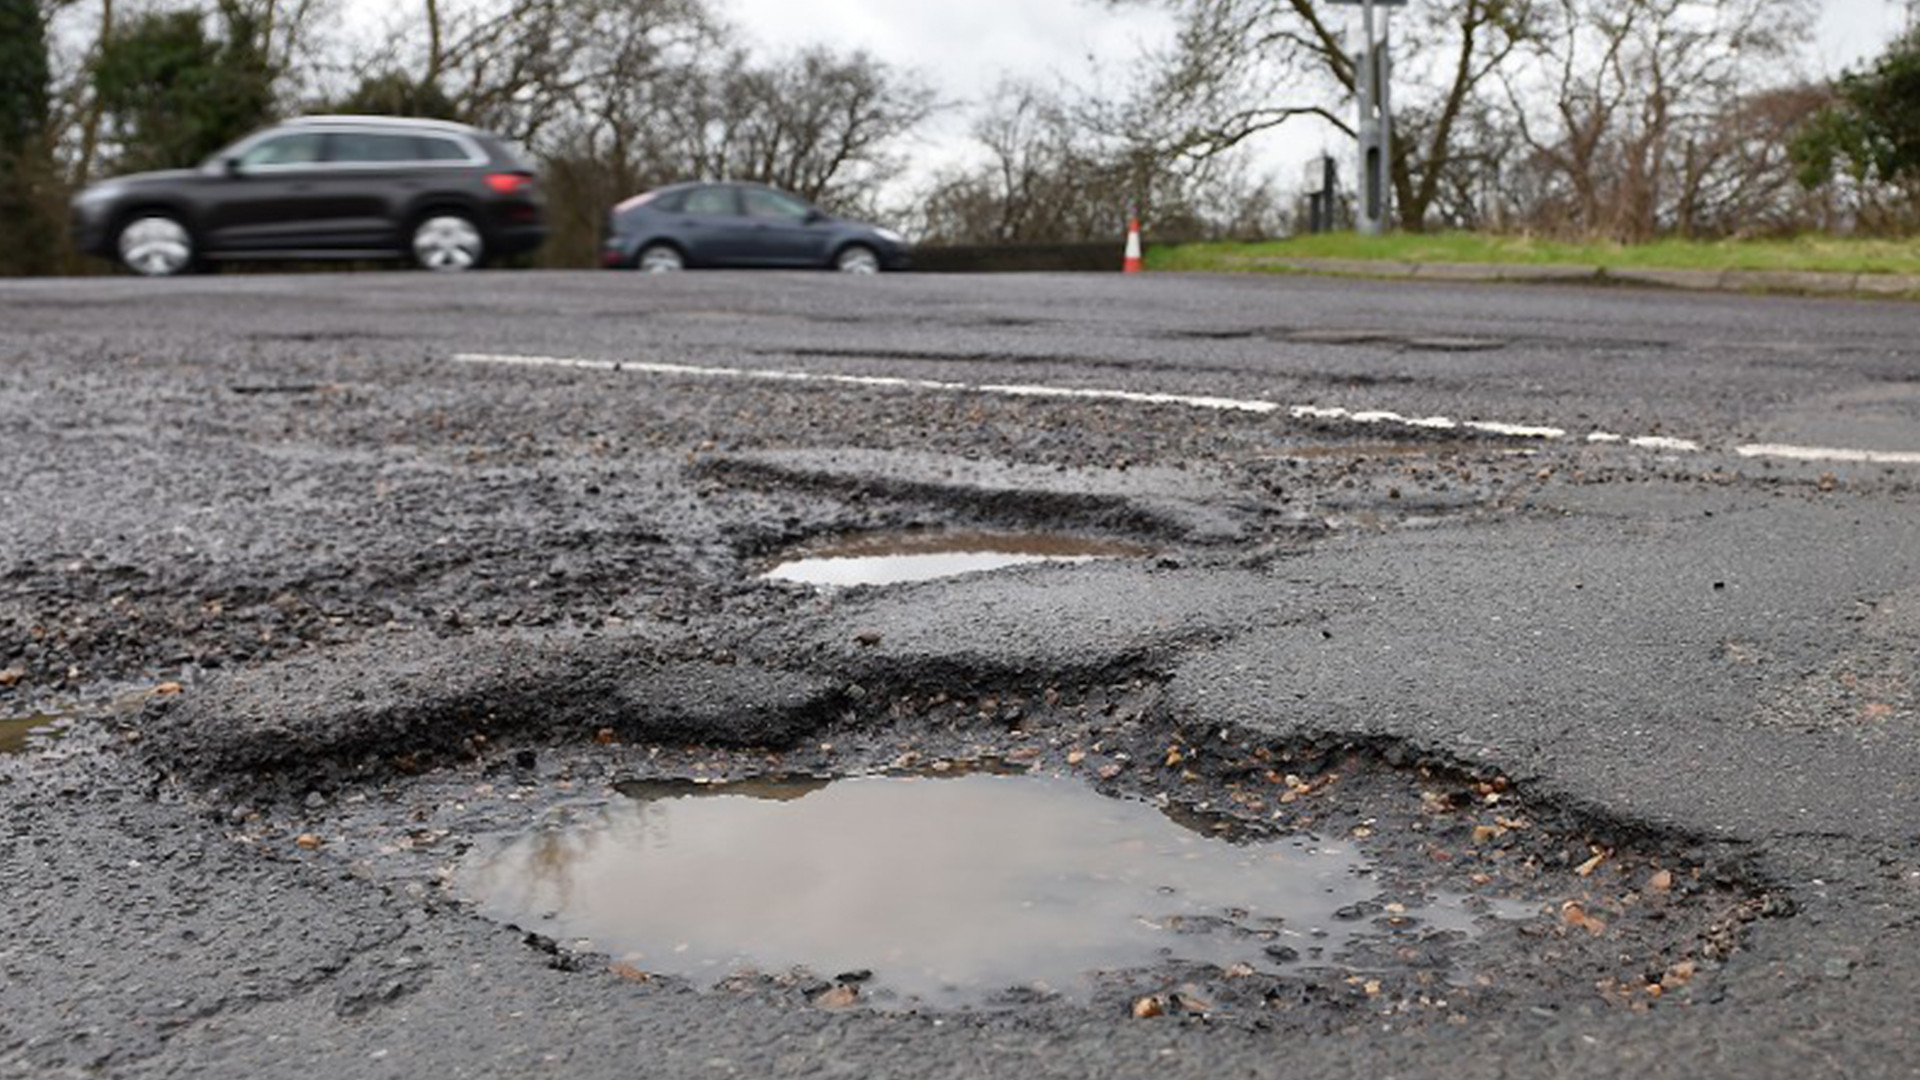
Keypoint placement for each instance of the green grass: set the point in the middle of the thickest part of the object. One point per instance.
(1845, 255)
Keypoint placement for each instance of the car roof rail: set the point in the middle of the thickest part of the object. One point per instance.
(383, 121)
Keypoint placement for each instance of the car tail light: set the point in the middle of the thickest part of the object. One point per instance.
(509, 183)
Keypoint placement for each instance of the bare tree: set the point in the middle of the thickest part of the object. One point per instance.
(821, 125)
(1050, 178)
(1630, 107)
(1241, 67)
(80, 99)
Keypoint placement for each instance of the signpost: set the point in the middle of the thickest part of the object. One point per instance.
(1373, 68)
(1323, 188)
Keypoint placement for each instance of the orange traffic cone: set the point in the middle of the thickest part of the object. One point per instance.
(1132, 264)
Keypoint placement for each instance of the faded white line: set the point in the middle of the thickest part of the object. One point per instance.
(1517, 431)
(1663, 442)
(1828, 453)
(1219, 404)
(1137, 397)
(878, 381)
(1372, 416)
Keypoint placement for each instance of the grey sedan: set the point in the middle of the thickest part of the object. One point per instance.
(742, 225)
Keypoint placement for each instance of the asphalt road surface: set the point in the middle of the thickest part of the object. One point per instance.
(1598, 603)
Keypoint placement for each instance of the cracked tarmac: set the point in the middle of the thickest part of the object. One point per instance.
(325, 608)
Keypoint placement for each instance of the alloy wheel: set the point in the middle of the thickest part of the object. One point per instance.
(156, 246)
(447, 243)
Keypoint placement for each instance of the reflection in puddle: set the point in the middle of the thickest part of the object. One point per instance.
(947, 889)
(893, 558)
(19, 734)
(16, 732)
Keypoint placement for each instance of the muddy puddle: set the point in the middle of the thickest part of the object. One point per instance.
(943, 892)
(896, 558)
(18, 733)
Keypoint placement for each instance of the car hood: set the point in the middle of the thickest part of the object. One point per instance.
(144, 179)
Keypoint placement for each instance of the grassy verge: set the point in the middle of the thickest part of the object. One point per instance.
(1822, 253)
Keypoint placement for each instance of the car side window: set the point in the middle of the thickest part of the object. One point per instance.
(763, 203)
(673, 202)
(302, 148)
(713, 201)
(433, 149)
(370, 148)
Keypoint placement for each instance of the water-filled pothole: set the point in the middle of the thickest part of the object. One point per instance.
(894, 558)
(18, 733)
(943, 892)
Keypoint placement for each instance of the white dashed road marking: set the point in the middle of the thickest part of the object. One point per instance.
(1829, 453)
(1219, 404)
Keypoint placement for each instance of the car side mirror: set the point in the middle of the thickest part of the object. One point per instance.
(815, 217)
(231, 166)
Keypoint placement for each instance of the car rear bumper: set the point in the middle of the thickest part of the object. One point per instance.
(617, 254)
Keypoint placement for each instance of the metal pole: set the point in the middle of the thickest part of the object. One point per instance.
(1384, 65)
(1367, 217)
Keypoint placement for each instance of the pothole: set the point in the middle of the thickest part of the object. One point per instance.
(18, 734)
(1588, 912)
(941, 891)
(898, 557)
(52, 721)
(1455, 344)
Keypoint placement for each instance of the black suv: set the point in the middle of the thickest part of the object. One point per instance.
(324, 187)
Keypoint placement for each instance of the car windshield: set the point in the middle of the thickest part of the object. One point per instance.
(282, 148)
(220, 157)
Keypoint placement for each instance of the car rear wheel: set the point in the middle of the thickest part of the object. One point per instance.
(662, 259)
(856, 259)
(449, 243)
(156, 245)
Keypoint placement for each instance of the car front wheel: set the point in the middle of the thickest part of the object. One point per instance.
(448, 242)
(662, 259)
(855, 259)
(156, 245)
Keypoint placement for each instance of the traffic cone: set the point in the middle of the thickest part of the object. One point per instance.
(1132, 264)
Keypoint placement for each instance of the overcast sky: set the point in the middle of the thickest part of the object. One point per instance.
(965, 48)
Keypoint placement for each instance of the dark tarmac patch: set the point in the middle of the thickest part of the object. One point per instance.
(1344, 337)
(921, 555)
(257, 390)
(1362, 336)
(318, 337)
